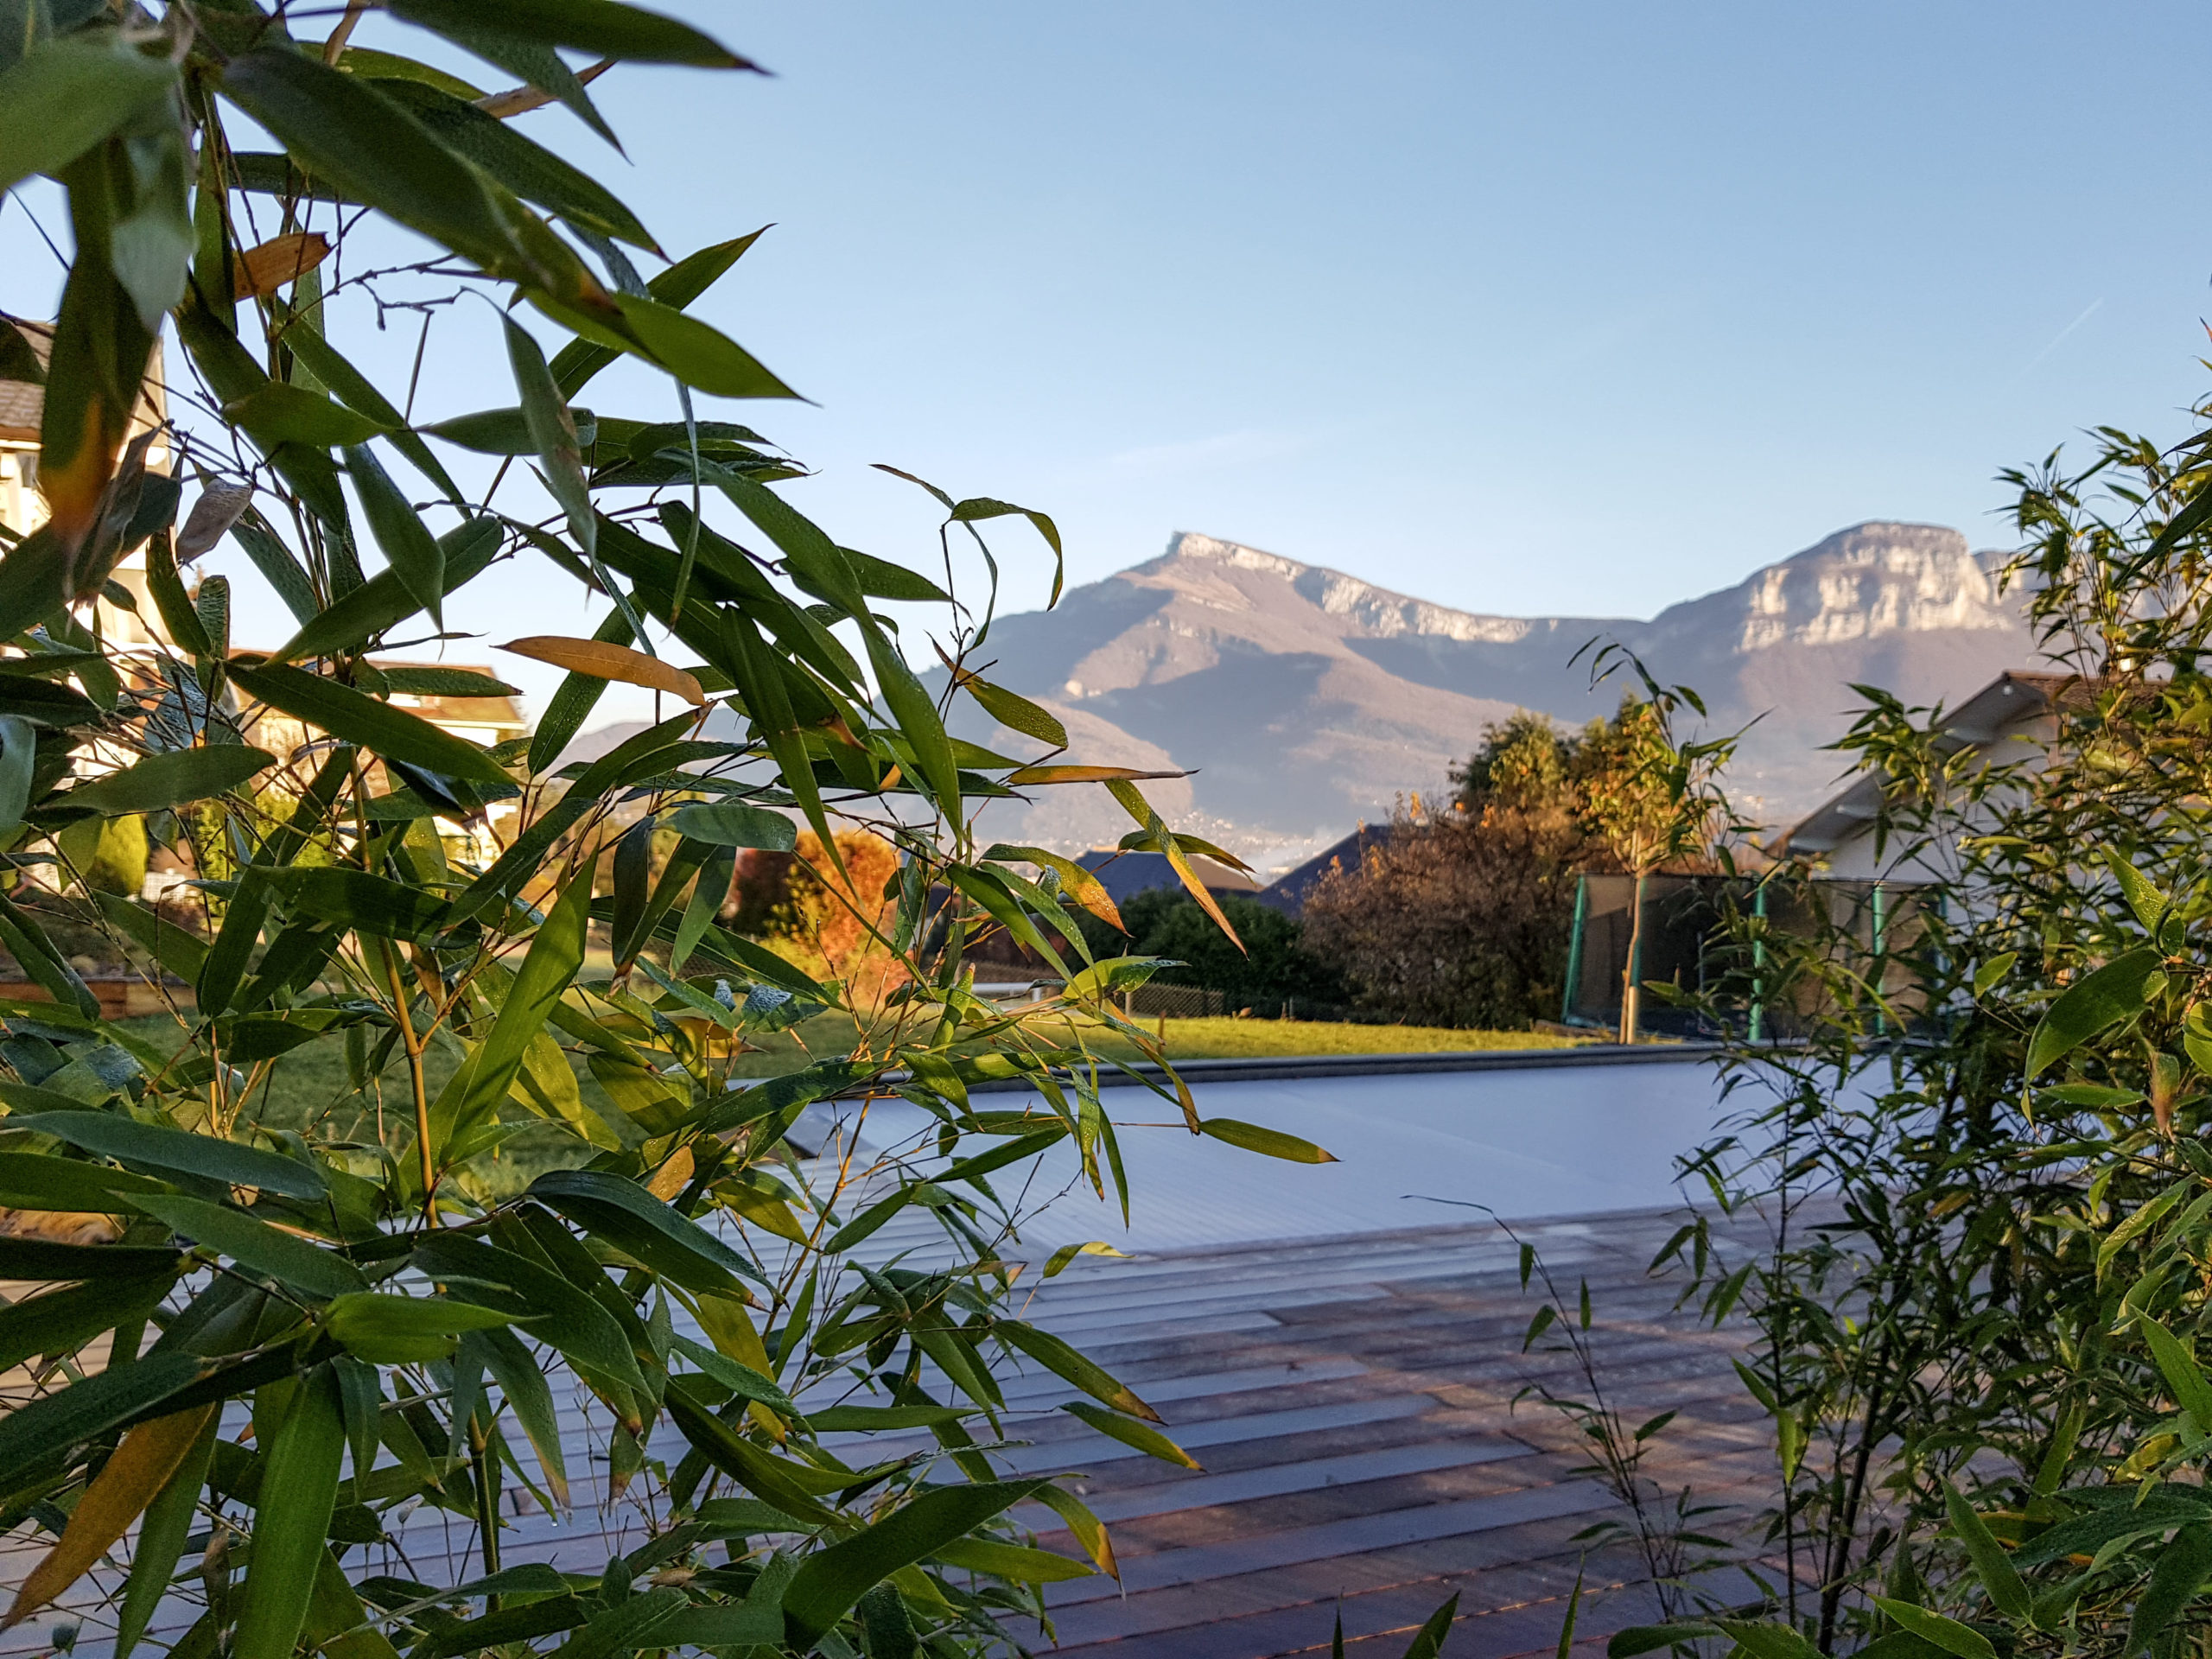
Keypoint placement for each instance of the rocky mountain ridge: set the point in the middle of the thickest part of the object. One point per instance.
(1304, 700)
(1307, 699)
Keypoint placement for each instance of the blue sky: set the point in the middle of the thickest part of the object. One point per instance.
(1579, 309)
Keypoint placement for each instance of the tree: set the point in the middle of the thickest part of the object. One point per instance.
(1978, 1330)
(380, 1287)
(1274, 967)
(1648, 798)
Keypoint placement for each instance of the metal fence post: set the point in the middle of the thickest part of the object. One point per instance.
(1574, 950)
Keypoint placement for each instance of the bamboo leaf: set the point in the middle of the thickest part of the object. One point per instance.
(732, 823)
(2176, 1576)
(2114, 992)
(405, 541)
(162, 1535)
(1948, 1634)
(829, 1581)
(162, 781)
(67, 93)
(276, 413)
(605, 660)
(1064, 1361)
(149, 1456)
(557, 951)
(299, 1488)
(207, 1155)
(254, 1244)
(49, 1428)
(1998, 1576)
(390, 1330)
(347, 713)
(640, 1224)
(347, 898)
(1150, 1441)
(1273, 1143)
(603, 28)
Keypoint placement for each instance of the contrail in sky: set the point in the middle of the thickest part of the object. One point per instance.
(2056, 342)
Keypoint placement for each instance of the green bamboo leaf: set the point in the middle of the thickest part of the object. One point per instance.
(389, 1330)
(557, 1310)
(2192, 1390)
(709, 894)
(739, 1379)
(347, 898)
(404, 539)
(557, 951)
(1998, 1576)
(1772, 1641)
(680, 284)
(1428, 1641)
(347, 713)
(130, 1142)
(162, 781)
(47, 1429)
(829, 1581)
(553, 431)
(1987, 976)
(18, 755)
(2150, 902)
(732, 823)
(1058, 1357)
(1150, 1441)
(254, 1244)
(2114, 992)
(2176, 1576)
(35, 1259)
(698, 353)
(516, 1371)
(640, 1224)
(504, 431)
(429, 680)
(347, 134)
(68, 92)
(1948, 1634)
(603, 28)
(383, 601)
(299, 1488)
(62, 1321)
(35, 955)
(36, 1181)
(529, 169)
(358, 393)
(1639, 1639)
(162, 1537)
(276, 413)
(1015, 1562)
(773, 1479)
(1272, 1142)
(1016, 713)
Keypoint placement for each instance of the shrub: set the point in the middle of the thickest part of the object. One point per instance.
(379, 1296)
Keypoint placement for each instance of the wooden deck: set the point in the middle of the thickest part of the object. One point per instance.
(1353, 1402)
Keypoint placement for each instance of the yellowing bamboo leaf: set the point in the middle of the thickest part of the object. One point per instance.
(1084, 775)
(602, 659)
(280, 260)
(142, 1466)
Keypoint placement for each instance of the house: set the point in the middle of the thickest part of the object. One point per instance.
(1124, 875)
(2009, 720)
(135, 634)
(1288, 892)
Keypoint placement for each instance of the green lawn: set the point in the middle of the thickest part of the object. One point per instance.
(310, 1085)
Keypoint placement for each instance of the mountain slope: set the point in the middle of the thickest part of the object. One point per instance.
(1307, 699)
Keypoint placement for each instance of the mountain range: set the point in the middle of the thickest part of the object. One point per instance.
(1303, 700)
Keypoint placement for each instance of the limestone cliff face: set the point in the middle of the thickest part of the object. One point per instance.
(1307, 699)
